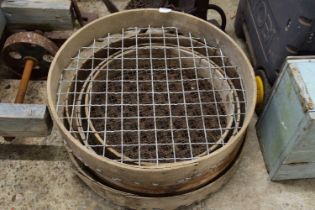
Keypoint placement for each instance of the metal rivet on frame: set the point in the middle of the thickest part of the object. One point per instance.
(116, 179)
(199, 174)
(69, 150)
(181, 181)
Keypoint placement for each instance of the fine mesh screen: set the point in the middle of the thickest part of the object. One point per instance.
(150, 96)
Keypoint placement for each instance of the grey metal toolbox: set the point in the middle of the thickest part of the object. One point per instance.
(286, 129)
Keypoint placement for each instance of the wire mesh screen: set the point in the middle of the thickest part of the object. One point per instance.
(149, 96)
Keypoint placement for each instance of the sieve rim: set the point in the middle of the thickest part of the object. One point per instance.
(55, 66)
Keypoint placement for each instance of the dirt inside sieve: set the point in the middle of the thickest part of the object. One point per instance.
(156, 136)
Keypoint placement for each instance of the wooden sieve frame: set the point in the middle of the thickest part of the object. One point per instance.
(168, 177)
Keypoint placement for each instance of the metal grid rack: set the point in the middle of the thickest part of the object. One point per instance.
(149, 96)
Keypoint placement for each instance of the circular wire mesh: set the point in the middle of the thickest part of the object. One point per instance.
(149, 96)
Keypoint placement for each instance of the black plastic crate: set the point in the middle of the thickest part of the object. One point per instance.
(275, 29)
(198, 8)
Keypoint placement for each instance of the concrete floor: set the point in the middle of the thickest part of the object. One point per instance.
(37, 174)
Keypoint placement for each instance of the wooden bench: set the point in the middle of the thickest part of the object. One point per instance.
(44, 15)
(24, 120)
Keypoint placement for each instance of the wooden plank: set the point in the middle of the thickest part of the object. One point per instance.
(300, 170)
(27, 120)
(306, 141)
(307, 75)
(38, 14)
(306, 156)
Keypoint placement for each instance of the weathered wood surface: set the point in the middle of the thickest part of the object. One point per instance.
(301, 170)
(38, 14)
(134, 201)
(286, 129)
(27, 120)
